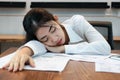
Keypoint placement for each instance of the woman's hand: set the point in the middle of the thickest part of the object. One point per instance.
(18, 61)
(59, 49)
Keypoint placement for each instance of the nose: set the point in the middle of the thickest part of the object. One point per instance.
(54, 39)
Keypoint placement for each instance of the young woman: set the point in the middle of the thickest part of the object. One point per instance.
(45, 33)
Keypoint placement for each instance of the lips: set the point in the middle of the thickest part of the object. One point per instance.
(59, 42)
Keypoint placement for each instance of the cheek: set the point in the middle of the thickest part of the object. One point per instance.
(49, 44)
(61, 34)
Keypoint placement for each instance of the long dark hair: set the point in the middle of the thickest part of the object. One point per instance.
(33, 20)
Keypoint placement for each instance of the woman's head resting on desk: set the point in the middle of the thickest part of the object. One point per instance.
(41, 25)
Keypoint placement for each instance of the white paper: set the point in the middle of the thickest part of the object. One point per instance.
(108, 65)
(49, 63)
(87, 58)
(45, 63)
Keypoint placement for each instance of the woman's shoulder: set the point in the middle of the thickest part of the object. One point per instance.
(73, 18)
(77, 16)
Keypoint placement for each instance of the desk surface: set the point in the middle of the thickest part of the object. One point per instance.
(74, 71)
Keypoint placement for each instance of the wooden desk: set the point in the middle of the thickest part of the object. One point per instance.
(73, 71)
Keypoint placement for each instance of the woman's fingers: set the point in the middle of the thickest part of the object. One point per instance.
(10, 68)
(15, 66)
(31, 62)
(18, 61)
(6, 66)
(22, 62)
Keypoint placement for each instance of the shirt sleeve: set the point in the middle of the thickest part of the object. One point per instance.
(94, 48)
(37, 47)
(94, 42)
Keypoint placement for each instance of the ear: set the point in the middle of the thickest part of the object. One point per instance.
(56, 18)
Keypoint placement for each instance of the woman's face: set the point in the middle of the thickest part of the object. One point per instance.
(51, 34)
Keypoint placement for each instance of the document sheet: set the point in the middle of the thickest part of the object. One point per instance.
(108, 64)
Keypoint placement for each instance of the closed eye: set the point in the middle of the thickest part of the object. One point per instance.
(44, 39)
(52, 29)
